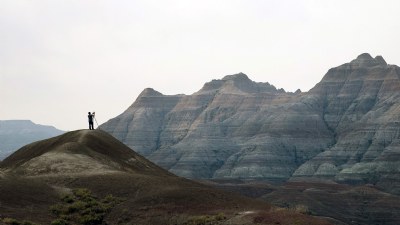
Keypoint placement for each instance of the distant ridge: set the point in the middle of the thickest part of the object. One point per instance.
(16, 133)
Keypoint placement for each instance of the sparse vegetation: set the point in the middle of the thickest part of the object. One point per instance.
(81, 207)
(298, 208)
(10, 221)
(286, 216)
(206, 219)
(59, 222)
(303, 209)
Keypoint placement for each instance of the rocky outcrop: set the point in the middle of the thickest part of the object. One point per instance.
(346, 128)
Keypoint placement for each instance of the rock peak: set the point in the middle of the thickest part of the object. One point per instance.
(365, 56)
(381, 60)
(237, 77)
(149, 92)
(366, 60)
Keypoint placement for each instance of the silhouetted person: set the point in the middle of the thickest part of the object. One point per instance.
(90, 116)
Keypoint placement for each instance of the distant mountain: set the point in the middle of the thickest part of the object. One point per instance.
(16, 133)
(48, 176)
(345, 129)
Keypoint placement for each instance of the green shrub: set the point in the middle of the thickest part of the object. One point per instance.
(91, 219)
(67, 198)
(81, 207)
(76, 207)
(27, 223)
(199, 220)
(220, 216)
(59, 222)
(10, 221)
(82, 193)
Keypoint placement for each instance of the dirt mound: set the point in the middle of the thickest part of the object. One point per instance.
(81, 152)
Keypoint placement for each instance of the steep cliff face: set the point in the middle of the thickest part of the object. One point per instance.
(361, 107)
(345, 128)
(141, 124)
(231, 128)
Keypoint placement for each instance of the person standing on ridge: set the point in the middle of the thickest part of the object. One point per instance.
(90, 117)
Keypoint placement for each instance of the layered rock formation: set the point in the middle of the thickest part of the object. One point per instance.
(360, 105)
(344, 129)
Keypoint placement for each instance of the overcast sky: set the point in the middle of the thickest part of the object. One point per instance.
(60, 59)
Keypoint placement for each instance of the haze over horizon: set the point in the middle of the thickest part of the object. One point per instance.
(59, 60)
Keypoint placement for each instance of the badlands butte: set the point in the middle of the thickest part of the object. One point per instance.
(343, 130)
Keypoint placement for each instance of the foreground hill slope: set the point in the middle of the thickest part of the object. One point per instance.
(16, 133)
(81, 152)
(37, 182)
(345, 129)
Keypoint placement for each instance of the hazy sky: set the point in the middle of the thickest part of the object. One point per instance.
(60, 59)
